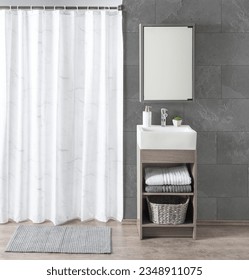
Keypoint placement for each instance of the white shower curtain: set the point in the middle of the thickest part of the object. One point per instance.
(61, 115)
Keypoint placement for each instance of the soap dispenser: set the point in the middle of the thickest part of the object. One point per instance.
(147, 116)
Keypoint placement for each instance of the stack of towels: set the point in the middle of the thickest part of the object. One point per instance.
(171, 179)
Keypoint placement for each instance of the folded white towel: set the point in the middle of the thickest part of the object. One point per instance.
(177, 175)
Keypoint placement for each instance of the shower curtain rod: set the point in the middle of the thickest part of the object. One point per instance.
(120, 7)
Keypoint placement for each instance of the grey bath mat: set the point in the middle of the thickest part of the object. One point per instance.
(61, 239)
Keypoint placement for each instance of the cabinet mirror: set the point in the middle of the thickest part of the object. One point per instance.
(166, 62)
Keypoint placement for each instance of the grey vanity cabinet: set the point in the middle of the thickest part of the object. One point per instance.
(165, 158)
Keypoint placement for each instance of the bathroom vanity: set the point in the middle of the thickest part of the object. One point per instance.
(166, 147)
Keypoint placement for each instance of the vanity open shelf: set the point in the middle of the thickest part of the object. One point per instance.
(153, 157)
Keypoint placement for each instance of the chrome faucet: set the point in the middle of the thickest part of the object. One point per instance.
(164, 116)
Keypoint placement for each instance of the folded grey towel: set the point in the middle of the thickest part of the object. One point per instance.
(177, 175)
(169, 189)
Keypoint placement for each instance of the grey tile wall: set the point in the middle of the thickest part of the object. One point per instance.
(222, 180)
(235, 15)
(222, 48)
(233, 147)
(206, 14)
(233, 208)
(206, 208)
(208, 82)
(206, 147)
(235, 82)
(220, 112)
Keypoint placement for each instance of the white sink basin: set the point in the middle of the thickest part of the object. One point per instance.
(168, 137)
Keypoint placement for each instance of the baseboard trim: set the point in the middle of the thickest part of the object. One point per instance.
(129, 221)
(203, 222)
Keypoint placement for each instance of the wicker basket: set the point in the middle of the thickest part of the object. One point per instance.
(167, 209)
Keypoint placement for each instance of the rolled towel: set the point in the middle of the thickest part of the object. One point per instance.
(169, 189)
(177, 175)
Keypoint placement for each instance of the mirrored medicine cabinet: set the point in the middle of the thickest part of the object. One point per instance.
(166, 62)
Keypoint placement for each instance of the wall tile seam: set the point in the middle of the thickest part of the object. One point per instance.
(201, 163)
(234, 98)
(223, 164)
(129, 196)
(219, 98)
(226, 164)
(221, 197)
(221, 32)
(215, 98)
(125, 65)
(130, 64)
(229, 131)
(155, 19)
(226, 131)
(125, 31)
(221, 21)
(216, 146)
(135, 98)
(234, 65)
(211, 197)
(133, 197)
(218, 65)
(221, 81)
(221, 131)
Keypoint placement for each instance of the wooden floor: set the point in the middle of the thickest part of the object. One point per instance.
(213, 243)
